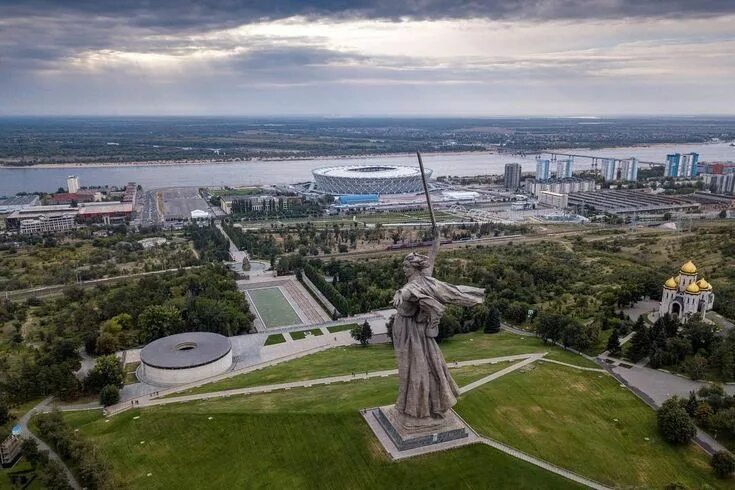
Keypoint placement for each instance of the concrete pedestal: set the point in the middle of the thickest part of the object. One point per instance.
(404, 436)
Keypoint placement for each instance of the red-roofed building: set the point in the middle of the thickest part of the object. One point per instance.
(68, 198)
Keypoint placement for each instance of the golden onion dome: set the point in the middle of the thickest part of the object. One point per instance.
(671, 283)
(693, 289)
(689, 268)
(703, 285)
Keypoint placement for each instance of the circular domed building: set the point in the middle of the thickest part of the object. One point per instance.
(686, 296)
(184, 358)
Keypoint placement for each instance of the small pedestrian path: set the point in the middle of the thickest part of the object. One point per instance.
(26, 433)
(581, 368)
(542, 464)
(528, 360)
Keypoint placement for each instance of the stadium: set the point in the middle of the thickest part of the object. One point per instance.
(184, 358)
(369, 179)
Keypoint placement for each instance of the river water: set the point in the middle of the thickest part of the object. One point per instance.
(14, 180)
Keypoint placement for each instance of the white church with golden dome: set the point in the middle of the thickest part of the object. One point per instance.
(685, 296)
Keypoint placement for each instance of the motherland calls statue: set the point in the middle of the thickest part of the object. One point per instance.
(426, 390)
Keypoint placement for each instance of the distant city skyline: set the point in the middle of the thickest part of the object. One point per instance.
(432, 58)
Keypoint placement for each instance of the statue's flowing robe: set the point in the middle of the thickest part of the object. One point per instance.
(426, 387)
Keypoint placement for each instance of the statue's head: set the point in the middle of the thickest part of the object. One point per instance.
(415, 264)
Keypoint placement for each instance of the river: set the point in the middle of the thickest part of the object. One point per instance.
(14, 180)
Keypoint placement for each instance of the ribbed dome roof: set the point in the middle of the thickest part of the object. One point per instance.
(689, 268)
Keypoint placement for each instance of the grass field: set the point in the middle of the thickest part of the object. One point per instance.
(273, 307)
(22, 467)
(341, 328)
(585, 422)
(301, 438)
(378, 357)
(301, 334)
(130, 377)
(276, 338)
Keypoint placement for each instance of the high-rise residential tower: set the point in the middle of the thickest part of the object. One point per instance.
(629, 170)
(678, 165)
(72, 184)
(609, 169)
(542, 169)
(564, 168)
(512, 178)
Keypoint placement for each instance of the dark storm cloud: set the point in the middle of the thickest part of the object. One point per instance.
(198, 14)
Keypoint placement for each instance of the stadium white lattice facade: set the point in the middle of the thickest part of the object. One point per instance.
(369, 179)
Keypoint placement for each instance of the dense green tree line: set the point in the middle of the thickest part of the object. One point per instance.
(694, 348)
(86, 462)
(112, 317)
(209, 242)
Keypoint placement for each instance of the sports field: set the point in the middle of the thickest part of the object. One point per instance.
(273, 307)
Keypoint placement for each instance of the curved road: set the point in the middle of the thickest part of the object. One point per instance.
(26, 433)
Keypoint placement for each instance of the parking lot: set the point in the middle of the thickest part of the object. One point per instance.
(179, 202)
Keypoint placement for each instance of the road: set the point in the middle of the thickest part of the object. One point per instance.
(26, 433)
(20, 294)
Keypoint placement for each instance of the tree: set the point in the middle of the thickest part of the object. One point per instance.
(493, 321)
(723, 464)
(640, 344)
(4, 413)
(158, 321)
(109, 395)
(613, 344)
(696, 367)
(245, 264)
(551, 327)
(723, 214)
(29, 450)
(54, 477)
(674, 423)
(107, 370)
(362, 333)
(703, 414)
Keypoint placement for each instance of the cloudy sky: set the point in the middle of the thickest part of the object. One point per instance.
(362, 57)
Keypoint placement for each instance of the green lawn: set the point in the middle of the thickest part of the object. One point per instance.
(276, 338)
(301, 334)
(22, 467)
(378, 357)
(130, 377)
(316, 366)
(568, 418)
(273, 307)
(341, 328)
(301, 438)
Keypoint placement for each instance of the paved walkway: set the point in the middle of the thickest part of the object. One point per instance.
(236, 254)
(26, 432)
(502, 372)
(543, 464)
(581, 368)
(655, 387)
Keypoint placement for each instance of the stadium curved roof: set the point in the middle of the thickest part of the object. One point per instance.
(369, 171)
